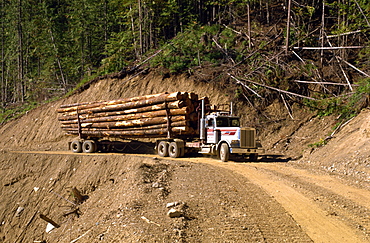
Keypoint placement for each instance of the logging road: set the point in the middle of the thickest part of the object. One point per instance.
(326, 207)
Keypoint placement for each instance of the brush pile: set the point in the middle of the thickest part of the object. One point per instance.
(157, 115)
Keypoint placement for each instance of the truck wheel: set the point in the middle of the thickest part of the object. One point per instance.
(253, 157)
(182, 153)
(173, 150)
(88, 146)
(224, 152)
(76, 146)
(162, 149)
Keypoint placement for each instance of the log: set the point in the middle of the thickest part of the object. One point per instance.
(173, 124)
(130, 123)
(132, 105)
(171, 105)
(134, 116)
(79, 104)
(137, 133)
(146, 116)
(86, 105)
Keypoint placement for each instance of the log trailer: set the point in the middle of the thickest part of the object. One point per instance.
(180, 123)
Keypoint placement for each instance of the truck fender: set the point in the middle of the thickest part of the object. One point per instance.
(219, 145)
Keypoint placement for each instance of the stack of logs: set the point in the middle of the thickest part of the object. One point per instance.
(158, 115)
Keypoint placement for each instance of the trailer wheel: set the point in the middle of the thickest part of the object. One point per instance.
(162, 149)
(224, 152)
(76, 146)
(88, 146)
(173, 150)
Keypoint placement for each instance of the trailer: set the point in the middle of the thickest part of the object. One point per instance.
(180, 123)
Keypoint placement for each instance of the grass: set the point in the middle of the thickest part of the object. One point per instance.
(16, 111)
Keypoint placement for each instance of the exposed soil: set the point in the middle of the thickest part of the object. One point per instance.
(308, 195)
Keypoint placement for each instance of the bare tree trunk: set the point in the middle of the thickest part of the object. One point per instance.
(288, 28)
(268, 12)
(133, 34)
(322, 33)
(249, 27)
(3, 90)
(140, 28)
(20, 86)
(64, 81)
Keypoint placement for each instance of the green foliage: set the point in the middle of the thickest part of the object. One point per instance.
(197, 46)
(352, 15)
(16, 111)
(345, 107)
(318, 144)
(189, 49)
(48, 44)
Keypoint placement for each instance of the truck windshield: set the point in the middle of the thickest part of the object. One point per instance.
(227, 122)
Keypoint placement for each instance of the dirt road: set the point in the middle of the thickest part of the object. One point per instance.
(273, 201)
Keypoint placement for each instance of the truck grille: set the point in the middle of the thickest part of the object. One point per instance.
(247, 137)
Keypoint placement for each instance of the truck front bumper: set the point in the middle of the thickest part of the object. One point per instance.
(246, 151)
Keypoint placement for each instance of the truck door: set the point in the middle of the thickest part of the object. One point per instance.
(210, 130)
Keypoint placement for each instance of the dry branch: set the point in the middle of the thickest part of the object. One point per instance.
(246, 86)
(341, 68)
(329, 48)
(352, 66)
(343, 34)
(49, 221)
(279, 90)
(326, 83)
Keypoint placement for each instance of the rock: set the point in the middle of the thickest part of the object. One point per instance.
(49, 228)
(156, 185)
(175, 213)
(172, 204)
(19, 211)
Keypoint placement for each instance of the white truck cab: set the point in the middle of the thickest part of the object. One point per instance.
(224, 136)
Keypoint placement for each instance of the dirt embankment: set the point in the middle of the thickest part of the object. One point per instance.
(126, 200)
(125, 197)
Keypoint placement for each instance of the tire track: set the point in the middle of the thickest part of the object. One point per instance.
(337, 199)
(279, 182)
(319, 226)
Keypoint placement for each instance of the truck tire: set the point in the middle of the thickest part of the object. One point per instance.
(253, 157)
(224, 152)
(162, 149)
(173, 150)
(76, 146)
(88, 146)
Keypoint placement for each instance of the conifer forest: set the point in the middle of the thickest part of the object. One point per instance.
(47, 47)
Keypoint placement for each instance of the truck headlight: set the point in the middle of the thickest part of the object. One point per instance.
(235, 143)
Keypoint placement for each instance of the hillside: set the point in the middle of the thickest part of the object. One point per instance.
(125, 196)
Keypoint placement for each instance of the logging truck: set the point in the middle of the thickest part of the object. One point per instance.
(179, 122)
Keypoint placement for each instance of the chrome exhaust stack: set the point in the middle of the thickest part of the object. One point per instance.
(202, 128)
